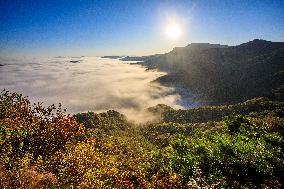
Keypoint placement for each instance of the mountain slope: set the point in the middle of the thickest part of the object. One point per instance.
(42, 147)
(220, 74)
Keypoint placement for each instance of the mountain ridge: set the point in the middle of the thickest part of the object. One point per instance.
(218, 74)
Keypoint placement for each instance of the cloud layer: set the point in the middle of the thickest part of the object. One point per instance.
(87, 84)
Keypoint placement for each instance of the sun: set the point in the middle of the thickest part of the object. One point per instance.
(173, 31)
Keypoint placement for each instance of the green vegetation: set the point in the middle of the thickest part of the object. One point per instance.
(237, 146)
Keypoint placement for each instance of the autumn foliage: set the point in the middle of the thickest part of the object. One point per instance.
(45, 148)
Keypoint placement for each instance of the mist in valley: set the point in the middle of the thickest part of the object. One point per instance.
(84, 84)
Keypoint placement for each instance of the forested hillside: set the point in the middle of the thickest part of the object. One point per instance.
(219, 74)
(237, 146)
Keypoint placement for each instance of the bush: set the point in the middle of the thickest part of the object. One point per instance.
(245, 156)
(44, 148)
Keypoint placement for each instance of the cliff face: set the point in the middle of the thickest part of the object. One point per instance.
(220, 74)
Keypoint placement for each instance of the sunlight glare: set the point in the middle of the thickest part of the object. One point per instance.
(173, 31)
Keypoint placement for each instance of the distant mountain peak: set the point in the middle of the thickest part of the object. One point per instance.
(259, 40)
(256, 42)
(199, 46)
(206, 45)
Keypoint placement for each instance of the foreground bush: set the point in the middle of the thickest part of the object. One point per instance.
(45, 148)
(242, 155)
(30, 134)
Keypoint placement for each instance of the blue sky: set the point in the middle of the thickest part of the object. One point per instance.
(131, 27)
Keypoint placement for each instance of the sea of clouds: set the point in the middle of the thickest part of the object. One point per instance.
(84, 84)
